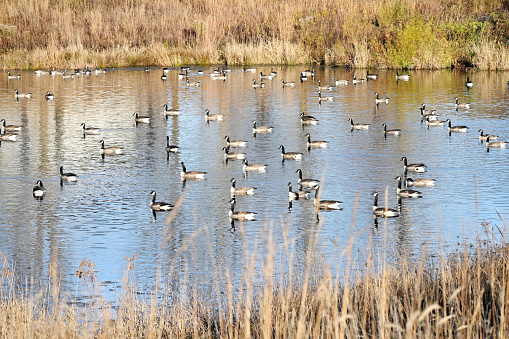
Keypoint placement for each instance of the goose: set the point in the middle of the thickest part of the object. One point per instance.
(426, 112)
(296, 195)
(241, 215)
(323, 88)
(420, 182)
(246, 167)
(191, 174)
(87, 71)
(192, 83)
(258, 85)
(235, 143)
(340, 82)
(88, 130)
(166, 70)
(220, 76)
(325, 204)
(67, 76)
(358, 125)
(171, 148)
(266, 76)
(261, 129)
(356, 81)
(379, 101)
(52, 71)
(371, 76)
(241, 190)
(199, 72)
(41, 72)
(182, 75)
(10, 128)
(170, 112)
(483, 136)
(381, 211)
(164, 77)
(303, 78)
(418, 168)
(405, 77)
(112, 150)
(308, 119)
(49, 96)
(252, 70)
(213, 117)
(70, 177)
(159, 205)
(19, 95)
(141, 118)
(461, 104)
(13, 76)
(395, 131)
(316, 143)
(495, 144)
(38, 191)
(7, 136)
(327, 98)
(290, 155)
(308, 73)
(434, 122)
(407, 193)
(287, 84)
(147, 69)
(234, 155)
(307, 183)
(469, 83)
(456, 129)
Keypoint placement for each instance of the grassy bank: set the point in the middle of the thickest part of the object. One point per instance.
(464, 295)
(371, 33)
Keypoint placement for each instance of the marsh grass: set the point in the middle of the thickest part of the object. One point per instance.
(372, 33)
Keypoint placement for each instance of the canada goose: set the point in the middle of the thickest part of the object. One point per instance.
(308, 119)
(166, 70)
(296, 195)
(340, 82)
(191, 174)
(70, 177)
(356, 81)
(308, 73)
(405, 77)
(407, 193)
(10, 128)
(246, 167)
(147, 69)
(241, 215)
(88, 71)
(323, 88)
(358, 125)
(426, 112)
(461, 104)
(325, 204)
(164, 77)
(371, 76)
(89, 130)
(170, 112)
(13, 76)
(469, 83)
(495, 144)
(192, 83)
(327, 98)
(213, 117)
(41, 72)
(199, 72)
(171, 148)
(182, 75)
(52, 71)
(7, 136)
(159, 205)
(235, 143)
(220, 76)
(261, 129)
(141, 118)
(418, 168)
(457, 129)
(19, 95)
(38, 191)
(381, 211)
(434, 121)
(241, 190)
(266, 76)
(112, 150)
(287, 84)
(290, 155)
(316, 143)
(307, 183)
(483, 136)
(49, 96)
(303, 78)
(234, 155)
(420, 182)
(258, 85)
(67, 76)
(273, 72)
(379, 101)
(391, 131)
(252, 70)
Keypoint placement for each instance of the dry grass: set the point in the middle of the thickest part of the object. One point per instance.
(372, 33)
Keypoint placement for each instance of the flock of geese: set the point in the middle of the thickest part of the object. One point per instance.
(307, 186)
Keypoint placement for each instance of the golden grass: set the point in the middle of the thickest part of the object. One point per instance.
(371, 33)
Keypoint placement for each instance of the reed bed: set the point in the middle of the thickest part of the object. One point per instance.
(462, 295)
(363, 34)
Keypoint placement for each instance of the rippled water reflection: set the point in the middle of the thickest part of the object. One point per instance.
(105, 216)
